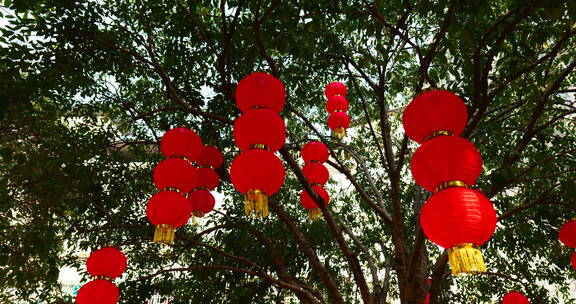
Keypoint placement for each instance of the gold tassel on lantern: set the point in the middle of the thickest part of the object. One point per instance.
(164, 234)
(256, 204)
(340, 132)
(466, 258)
(314, 214)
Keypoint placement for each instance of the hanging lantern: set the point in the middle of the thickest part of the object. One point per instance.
(445, 161)
(573, 260)
(99, 291)
(210, 157)
(339, 122)
(310, 205)
(567, 234)
(174, 174)
(515, 297)
(106, 262)
(181, 142)
(434, 113)
(315, 151)
(260, 90)
(201, 202)
(260, 128)
(167, 211)
(459, 219)
(335, 88)
(316, 173)
(257, 174)
(207, 179)
(336, 103)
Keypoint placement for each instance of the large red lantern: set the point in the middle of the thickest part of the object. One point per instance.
(260, 128)
(339, 122)
(432, 113)
(210, 157)
(257, 174)
(106, 262)
(573, 260)
(167, 211)
(567, 234)
(336, 103)
(207, 179)
(174, 174)
(335, 88)
(308, 203)
(181, 142)
(445, 161)
(99, 291)
(260, 90)
(515, 297)
(315, 151)
(316, 173)
(459, 219)
(201, 202)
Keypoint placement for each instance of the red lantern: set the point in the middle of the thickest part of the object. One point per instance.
(167, 211)
(336, 103)
(444, 160)
(316, 173)
(201, 202)
(432, 113)
(260, 90)
(107, 262)
(339, 122)
(459, 219)
(210, 157)
(257, 174)
(335, 88)
(207, 179)
(567, 234)
(515, 297)
(181, 142)
(259, 128)
(315, 151)
(310, 204)
(98, 292)
(174, 173)
(573, 260)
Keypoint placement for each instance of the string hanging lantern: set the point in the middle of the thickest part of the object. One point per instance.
(315, 151)
(167, 211)
(316, 173)
(335, 88)
(337, 105)
(314, 154)
(454, 217)
(175, 174)
(181, 142)
(310, 205)
(339, 122)
(259, 132)
(515, 297)
(201, 202)
(104, 264)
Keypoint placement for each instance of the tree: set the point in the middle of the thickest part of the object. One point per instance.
(88, 87)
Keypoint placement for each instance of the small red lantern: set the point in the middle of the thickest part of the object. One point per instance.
(210, 157)
(260, 90)
(174, 174)
(167, 211)
(339, 122)
(181, 142)
(315, 151)
(336, 103)
(446, 160)
(573, 260)
(515, 297)
(201, 202)
(207, 179)
(316, 173)
(459, 219)
(308, 203)
(257, 174)
(260, 128)
(433, 113)
(335, 88)
(98, 291)
(567, 234)
(106, 262)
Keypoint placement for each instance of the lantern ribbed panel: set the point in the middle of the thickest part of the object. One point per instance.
(338, 120)
(260, 90)
(181, 142)
(315, 151)
(316, 173)
(107, 262)
(210, 156)
(443, 159)
(335, 88)
(168, 207)
(260, 126)
(567, 234)
(174, 173)
(307, 200)
(207, 178)
(515, 297)
(201, 201)
(98, 292)
(336, 103)
(434, 111)
(257, 169)
(456, 216)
